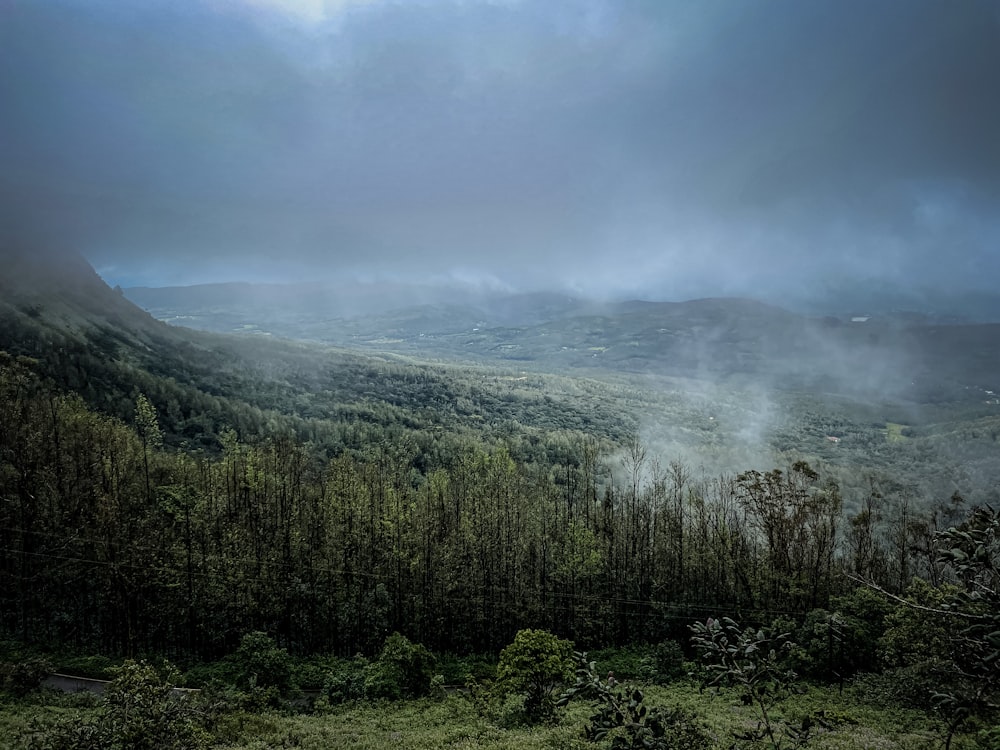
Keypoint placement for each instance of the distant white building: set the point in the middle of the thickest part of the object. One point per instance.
(861, 318)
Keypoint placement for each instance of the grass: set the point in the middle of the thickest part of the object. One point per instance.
(410, 725)
(453, 723)
(894, 432)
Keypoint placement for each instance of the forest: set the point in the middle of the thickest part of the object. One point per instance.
(275, 516)
(115, 543)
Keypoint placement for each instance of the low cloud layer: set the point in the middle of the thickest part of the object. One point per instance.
(665, 148)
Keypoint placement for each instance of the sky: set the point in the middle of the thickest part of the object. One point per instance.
(658, 148)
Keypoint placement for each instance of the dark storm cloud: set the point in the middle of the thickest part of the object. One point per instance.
(682, 148)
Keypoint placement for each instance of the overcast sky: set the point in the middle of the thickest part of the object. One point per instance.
(665, 148)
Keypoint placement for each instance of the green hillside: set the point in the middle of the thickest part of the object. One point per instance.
(261, 509)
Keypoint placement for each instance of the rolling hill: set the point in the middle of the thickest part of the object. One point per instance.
(900, 356)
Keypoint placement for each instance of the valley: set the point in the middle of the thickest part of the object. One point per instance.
(722, 383)
(607, 475)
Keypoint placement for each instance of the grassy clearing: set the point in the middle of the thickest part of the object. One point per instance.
(409, 725)
(453, 723)
(894, 432)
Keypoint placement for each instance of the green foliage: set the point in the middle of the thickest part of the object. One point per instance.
(139, 712)
(261, 664)
(666, 663)
(835, 645)
(458, 669)
(659, 663)
(863, 614)
(147, 423)
(915, 630)
(25, 675)
(754, 662)
(403, 670)
(535, 664)
(96, 667)
(480, 695)
(622, 717)
(346, 682)
(437, 689)
(912, 686)
(973, 551)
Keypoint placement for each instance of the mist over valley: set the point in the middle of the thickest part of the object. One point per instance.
(399, 374)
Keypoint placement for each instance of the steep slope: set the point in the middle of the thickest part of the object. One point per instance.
(89, 339)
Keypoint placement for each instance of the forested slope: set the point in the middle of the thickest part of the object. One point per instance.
(88, 339)
(169, 491)
(111, 542)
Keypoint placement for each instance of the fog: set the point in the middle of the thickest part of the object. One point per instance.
(602, 147)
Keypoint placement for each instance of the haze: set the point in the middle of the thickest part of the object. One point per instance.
(655, 148)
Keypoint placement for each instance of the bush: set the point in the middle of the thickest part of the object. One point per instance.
(622, 717)
(93, 667)
(346, 682)
(659, 663)
(23, 677)
(916, 634)
(260, 664)
(666, 663)
(755, 663)
(402, 670)
(223, 672)
(832, 646)
(536, 663)
(912, 686)
(457, 669)
(138, 712)
(626, 662)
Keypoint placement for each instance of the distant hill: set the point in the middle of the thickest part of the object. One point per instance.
(898, 356)
(720, 381)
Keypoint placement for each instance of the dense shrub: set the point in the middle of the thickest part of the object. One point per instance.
(659, 663)
(456, 670)
(223, 672)
(914, 632)
(138, 712)
(666, 663)
(535, 664)
(260, 664)
(346, 681)
(912, 686)
(94, 667)
(24, 676)
(403, 670)
(834, 645)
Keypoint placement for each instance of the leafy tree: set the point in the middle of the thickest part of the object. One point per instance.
(916, 632)
(973, 551)
(536, 663)
(798, 522)
(753, 661)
